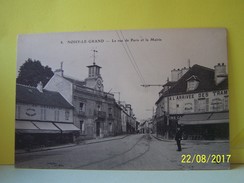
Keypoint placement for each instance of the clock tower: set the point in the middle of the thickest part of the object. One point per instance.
(94, 79)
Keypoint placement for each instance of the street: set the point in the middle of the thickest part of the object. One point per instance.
(133, 152)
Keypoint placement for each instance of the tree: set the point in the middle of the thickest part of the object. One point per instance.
(32, 72)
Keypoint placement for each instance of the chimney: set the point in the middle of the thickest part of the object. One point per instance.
(184, 70)
(219, 73)
(40, 87)
(189, 63)
(175, 74)
(60, 71)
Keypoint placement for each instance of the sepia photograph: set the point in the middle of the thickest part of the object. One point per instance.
(123, 100)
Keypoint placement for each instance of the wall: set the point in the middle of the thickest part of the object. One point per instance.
(213, 101)
(61, 85)
(36, 112)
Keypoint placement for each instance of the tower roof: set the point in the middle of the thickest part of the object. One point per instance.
(94, 65)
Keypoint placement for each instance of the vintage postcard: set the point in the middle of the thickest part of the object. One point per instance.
(123, 100)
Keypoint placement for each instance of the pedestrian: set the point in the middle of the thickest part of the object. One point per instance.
(178, 138)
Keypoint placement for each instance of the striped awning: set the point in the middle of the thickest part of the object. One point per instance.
(35, 127)
(206, 118)
(66, 128)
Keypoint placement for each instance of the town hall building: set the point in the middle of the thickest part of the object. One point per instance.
(95, 111)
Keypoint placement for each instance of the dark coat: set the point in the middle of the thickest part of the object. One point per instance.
(178, 135)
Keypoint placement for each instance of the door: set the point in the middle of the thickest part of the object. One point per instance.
(98, 129)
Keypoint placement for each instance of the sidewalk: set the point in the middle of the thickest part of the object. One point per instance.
(190, 141)
(91, 141)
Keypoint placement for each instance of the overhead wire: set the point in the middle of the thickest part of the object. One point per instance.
(131, 57)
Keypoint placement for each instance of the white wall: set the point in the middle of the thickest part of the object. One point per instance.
(61, 85)
(43, 113)
(199, 102)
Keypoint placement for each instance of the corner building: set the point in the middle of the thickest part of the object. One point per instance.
(43, 118)
(196, 98)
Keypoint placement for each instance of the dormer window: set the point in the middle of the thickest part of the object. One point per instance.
(192, 83)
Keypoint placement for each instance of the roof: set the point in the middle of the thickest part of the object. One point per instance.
(94, 64)
(75, 81)
(31, 95)
(170, 83)
(204, 75)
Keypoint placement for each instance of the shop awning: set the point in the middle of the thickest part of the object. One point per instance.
(66, 128)
(35, 127)
(25, 125)
(207, 118)
(47, 127)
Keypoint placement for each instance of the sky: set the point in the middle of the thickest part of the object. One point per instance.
(129, 58)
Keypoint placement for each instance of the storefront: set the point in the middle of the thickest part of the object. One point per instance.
(207, 126)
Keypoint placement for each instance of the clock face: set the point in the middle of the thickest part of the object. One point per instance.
(99, 83)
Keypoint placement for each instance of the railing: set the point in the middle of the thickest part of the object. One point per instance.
(81, 113)
(100, 114)
(110, 117)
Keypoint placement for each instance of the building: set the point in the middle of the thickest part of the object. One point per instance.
(95, 111)
(197, 99)
(128, 120)
(43, 118)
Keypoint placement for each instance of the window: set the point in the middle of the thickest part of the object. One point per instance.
(110, 110)
(217, 104)
(201, 105)
(45, 114)
(66, 115)
(81, 107)
(56, 115)
(98, 107)
(81, 125)
(192, 83)
(188, 107)
(90, 72)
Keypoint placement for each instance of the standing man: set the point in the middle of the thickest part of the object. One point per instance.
(178, 137)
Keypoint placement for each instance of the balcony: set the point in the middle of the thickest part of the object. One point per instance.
(110, 117)
(100, 114)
